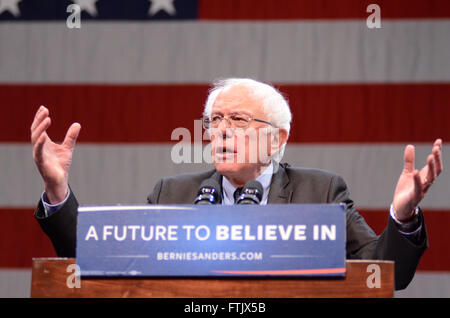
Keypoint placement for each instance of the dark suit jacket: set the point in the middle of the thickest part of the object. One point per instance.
(289, 185)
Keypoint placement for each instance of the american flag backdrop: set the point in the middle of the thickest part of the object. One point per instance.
(135, 70)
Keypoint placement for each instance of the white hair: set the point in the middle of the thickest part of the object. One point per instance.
(274, 105)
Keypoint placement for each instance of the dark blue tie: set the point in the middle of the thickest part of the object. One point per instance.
(237, 193)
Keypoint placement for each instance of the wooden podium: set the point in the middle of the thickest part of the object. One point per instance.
(54, 277)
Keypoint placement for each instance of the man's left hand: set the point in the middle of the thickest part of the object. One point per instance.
(413, 184)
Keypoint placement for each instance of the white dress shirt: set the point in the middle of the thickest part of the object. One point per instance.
(265, 179)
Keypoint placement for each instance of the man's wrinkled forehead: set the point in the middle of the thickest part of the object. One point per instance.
(237, 98)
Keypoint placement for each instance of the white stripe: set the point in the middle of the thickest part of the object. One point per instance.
(427, 285)
(199, 52)
(371, 171)
(126, 174)
(17, 283)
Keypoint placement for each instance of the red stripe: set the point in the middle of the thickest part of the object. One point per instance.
(357, 113)
(319, 9)
(21, 238)
(287, 272)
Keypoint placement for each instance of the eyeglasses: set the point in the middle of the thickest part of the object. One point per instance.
(234, 121)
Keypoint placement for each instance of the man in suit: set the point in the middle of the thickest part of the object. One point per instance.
(234, 108)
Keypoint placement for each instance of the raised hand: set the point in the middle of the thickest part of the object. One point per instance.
(52, 160)
(414, 184)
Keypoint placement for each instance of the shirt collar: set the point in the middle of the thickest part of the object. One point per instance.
(264, 178)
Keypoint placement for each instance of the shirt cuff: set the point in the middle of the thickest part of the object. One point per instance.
(49, 209)
(410, 229)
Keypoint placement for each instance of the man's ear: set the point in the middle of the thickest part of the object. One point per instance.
(283, 136)
(279, 137)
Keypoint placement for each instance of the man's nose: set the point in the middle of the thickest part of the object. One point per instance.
(225, 128)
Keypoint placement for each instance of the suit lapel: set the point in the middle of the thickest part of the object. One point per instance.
(217, 176)
(280, 191)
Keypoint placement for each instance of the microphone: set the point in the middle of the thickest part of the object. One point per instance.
(252, 193)
(209, 192)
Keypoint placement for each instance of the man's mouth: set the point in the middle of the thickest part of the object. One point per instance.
(225, 150)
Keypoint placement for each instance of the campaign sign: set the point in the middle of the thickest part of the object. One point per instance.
(212, 240)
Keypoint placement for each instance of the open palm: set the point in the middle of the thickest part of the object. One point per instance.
(52, 160)
(413, 184)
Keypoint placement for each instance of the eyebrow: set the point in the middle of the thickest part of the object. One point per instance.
(233, 113)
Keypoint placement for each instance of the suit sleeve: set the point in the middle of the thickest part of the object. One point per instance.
(153, 198)
(363, 243)
(61, 226)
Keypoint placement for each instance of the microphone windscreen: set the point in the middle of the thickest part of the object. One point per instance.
(209, 191)
(254, 185)
(210, 183)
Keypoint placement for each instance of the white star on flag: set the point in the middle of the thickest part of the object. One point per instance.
(158, 5)
(11, 6)
(88, 6)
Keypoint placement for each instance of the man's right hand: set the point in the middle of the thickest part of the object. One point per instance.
(52, 160)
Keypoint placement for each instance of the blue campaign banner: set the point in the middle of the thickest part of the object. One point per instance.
(219, 240)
